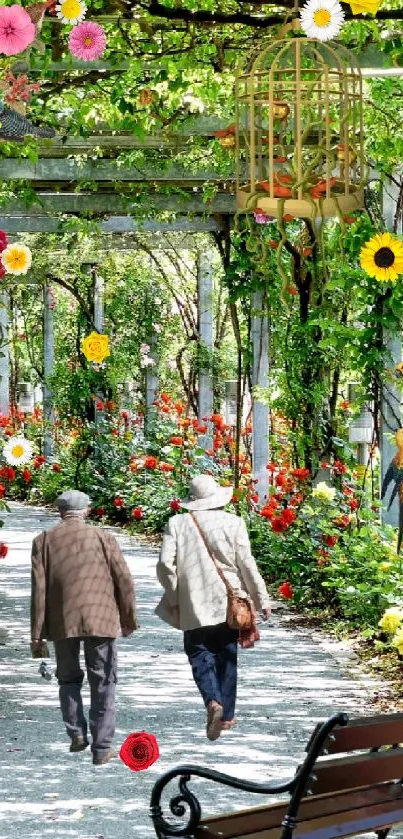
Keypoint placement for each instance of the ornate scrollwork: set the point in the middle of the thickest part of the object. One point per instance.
(178, 805)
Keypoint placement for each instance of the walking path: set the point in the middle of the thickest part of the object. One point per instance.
(289, 682)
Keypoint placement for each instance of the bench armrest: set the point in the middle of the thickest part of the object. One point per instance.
(186, 800)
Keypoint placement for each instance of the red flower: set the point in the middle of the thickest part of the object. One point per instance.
(8, 473)
(3, 550)
(26, 476)
(151, 462)
(110, 406)
(176, 441)
(137, 513)
(345, 405)
(342, 522)
(288, 515)
(331, 541)
(55, 467)
(114, 432)
(100, 511)
(139, 751)
(271, 467)
(3, 241)
(175, 504)
(165, 397)
(99, 405)
(286, 590)
(267, 512)
(167, 467)
(278, 524)
(339, 467)
(280, 479)
(2, 490)
(39, 461)
(353, 504)
(301, 474)
(118, 503)
(218, 421)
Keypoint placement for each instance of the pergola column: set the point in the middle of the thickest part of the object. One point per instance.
(391, 414)
(260, 411)
(205, 319)
(48, 364)
(4, 355)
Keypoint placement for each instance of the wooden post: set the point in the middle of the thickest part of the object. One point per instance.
(260, 411)
(391, 414)
(48, 363)
(4, 356)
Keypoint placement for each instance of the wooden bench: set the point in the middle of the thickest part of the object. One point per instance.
(358, 791)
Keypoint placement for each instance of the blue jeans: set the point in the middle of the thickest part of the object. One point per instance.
(212, 652)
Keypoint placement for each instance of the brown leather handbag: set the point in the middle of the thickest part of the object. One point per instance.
(239, 610)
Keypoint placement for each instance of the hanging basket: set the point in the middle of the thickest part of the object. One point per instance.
(299, 131)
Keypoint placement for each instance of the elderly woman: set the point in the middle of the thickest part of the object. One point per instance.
(195, 597)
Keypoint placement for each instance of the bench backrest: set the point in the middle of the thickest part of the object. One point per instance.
(379, 743)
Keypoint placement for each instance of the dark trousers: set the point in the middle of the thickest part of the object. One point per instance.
(101, 665)
(212, 652)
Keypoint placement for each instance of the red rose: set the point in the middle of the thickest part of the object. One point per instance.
(167, 467)
(288, 515)
(331, 541)
(3, 550)
(26, 476)
(118, 503)
(175, 504)
(286, 590)
(137, 513)
(278, 524)
(339, 467)
(139, 751)
(342, 522)
(8, 473)
(353, 504)
(176, 441)
(280, 479)
(55, 467)
(2, 490)
(39, 461)
(151, 462)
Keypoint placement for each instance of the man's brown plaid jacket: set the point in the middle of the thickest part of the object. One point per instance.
(81, 584)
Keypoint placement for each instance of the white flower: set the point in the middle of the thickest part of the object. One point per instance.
(324, 492)
(147, 361)
(17, 451)
(322, 19)
(194, 104)
(157, 301)
(71, 11)
(157, 327)
(171, 364)
(144, 348)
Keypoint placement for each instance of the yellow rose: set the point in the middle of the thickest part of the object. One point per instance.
(384, 566)
(391, 620)
(324, 492)
(128, 435)
(397, 641)
(96, 347)
(359, 7)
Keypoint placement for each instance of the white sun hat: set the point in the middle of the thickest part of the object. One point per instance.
(206, 494)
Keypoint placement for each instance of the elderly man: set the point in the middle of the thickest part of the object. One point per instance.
(82, 590)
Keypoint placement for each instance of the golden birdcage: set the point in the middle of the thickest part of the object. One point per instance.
(299, 131)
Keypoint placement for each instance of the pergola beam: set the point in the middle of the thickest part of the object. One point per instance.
(114, 224)
(112, 203)
(70, 170)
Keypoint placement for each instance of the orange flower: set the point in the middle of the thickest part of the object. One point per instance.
(151, 462)
(176, 441)
(166, 467)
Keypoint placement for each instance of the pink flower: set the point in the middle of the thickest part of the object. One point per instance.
(87, 41)
(3, 242)
(16, 30)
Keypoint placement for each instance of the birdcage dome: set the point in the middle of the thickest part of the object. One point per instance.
(299, 131)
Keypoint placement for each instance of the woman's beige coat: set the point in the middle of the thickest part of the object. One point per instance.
(194, 593)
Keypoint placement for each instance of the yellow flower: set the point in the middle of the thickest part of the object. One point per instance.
(384, 566)
(359, 7)
(324, 492)
(71, 11)
(391, 620)
(397, 641)
(96, 347)
(382, 257)
(17, 259)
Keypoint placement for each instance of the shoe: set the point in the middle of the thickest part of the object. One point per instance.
(15, 127)
(78, 744)
(228, 724)
(214, 717)
(103, 759)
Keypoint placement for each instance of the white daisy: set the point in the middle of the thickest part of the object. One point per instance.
(17, 451)
(71, 11)
(322, 19)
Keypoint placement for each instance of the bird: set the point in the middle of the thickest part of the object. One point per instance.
(36, 12)
(15, 127)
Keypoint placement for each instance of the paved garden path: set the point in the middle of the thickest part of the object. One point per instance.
(289, 682)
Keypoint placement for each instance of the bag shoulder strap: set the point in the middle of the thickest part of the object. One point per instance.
(219, 570)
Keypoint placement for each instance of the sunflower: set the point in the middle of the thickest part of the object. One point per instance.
(17, 451)
(71, 11)
(322, 19)
(382, 257)
(16, 258)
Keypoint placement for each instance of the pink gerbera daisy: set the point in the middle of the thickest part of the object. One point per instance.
(16, 30)
(87, 41)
